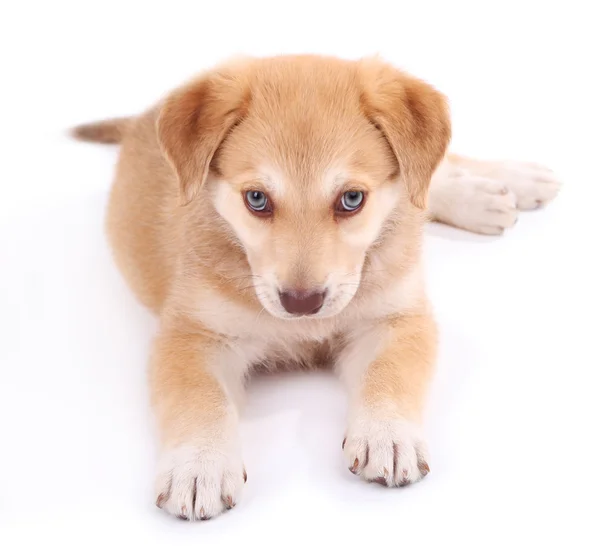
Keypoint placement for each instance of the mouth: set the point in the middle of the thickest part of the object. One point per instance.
(285, 316)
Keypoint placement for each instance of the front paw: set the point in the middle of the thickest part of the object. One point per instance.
(199, 481)
(391, 452)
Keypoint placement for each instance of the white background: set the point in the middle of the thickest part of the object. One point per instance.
(513, 423)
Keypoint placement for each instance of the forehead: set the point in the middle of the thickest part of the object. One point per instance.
(305, 126)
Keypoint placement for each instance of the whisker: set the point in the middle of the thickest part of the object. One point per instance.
(244, 277)
(255, 286)
(259, 314)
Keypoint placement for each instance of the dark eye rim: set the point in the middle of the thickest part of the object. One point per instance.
(267, 211)
(341, 211)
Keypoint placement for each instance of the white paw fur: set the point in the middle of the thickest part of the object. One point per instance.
(474, 203)
(391, 452)
(485, 196)
(533, 185)
(199, 482)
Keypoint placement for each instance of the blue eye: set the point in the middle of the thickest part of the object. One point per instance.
(351, 201)
(257, 202)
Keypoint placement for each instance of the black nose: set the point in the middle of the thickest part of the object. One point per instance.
(302, 302)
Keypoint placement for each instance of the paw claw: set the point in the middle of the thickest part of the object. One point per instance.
(203, 515)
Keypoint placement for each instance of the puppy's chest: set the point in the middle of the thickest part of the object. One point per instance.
(296, 345)
(300, 355)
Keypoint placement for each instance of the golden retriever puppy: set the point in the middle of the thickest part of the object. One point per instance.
(271, 213)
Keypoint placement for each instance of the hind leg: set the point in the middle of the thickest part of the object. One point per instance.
(485, 196)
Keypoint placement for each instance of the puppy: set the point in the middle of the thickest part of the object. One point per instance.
(271, 213)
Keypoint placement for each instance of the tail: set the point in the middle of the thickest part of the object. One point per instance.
(109, 131)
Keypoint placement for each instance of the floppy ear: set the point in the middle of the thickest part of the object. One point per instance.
(192, 123)
(413, 117)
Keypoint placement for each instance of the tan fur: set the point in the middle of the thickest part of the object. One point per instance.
(110, 131)
(174, 386)
(303, 129)
(410, 351)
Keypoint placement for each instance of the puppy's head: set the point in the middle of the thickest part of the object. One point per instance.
(308, 160)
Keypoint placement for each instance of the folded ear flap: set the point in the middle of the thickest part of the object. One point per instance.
(415, 120)
(192, 123)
